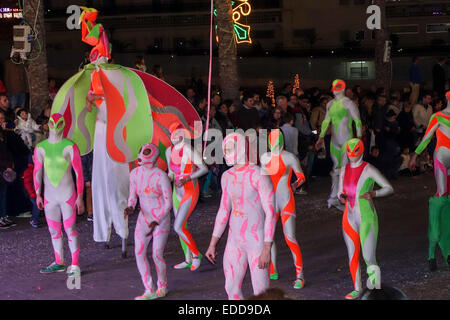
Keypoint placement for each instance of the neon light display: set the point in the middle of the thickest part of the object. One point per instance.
(241, 8)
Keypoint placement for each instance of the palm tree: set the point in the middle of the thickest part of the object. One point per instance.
(228, 74)
(382, 69)
(37, 64)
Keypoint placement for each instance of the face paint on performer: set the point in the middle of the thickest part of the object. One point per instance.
(234, 149)
(148, 155)
(338, 86)
(355, 150)
(56, 126)
(276, 141)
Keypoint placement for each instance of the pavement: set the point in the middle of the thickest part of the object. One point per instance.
(401, 254)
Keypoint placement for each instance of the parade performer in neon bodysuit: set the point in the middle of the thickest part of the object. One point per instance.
(341, 113)
(183, 161)
(279, 165)
(360, 220)
(439, 206)
(54, 160)
(152, 186)
(248, 202)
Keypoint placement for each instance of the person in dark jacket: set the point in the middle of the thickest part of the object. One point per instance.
(407, 137)
(247, 115)
(439, 77)
(6, 164)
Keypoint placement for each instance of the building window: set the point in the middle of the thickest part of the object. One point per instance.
(404, 29)
(438, 28)
(344, 2)
(359, 35)
(303, 33)
(359, 72)
(263, 34)
(344, 35)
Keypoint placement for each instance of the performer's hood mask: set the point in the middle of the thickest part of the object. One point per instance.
(234, 148)
(148, 155)
(177, 133)
(355, 150)
(447, 95)
(276, 141)
(56, 126)
(338, 86)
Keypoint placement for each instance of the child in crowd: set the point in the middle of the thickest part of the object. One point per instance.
(29, 186)
(404, 168)
(26, 127)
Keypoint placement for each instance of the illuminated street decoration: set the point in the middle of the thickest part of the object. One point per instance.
(271, 93)
(10, 13)
(241, 8)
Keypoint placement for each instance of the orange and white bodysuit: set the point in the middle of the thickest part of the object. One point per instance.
(279, 165)
(185, 167)
(248, 204)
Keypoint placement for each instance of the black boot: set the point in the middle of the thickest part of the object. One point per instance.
(432, 265)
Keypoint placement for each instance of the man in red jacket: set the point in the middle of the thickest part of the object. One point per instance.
(29, 186)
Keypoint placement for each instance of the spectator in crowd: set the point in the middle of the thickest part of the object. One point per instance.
(140, 64)
(391, 150)
(290, 134)
(407, 127)
(8, 113)
(318, 115)
(379, 112)
(438, 103)
(439, 77)
(158, 72)
(16, 81)
(29, 187)
(422, 113)
(287, 90)
(191, 96)
(26, 127)
(6, 164)
(366, 112)
(283, 104)
(395, 105)
(52, 90)
(415, 78)
(374, 158)
(86, 162)
(222, 117)
(293, 101)
(349, 93)
(247, 115)
(275, 120)
(201, 107)
(404, 168)
(216, 100)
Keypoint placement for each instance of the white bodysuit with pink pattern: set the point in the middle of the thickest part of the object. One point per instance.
(248, 196)
(152, 186)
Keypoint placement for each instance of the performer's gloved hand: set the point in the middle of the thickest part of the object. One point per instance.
(412, 162)
(152, 226)
(128, 211)
(319, 144)
(80, 204)
(368, 195)
(211, 254)
(40, 202)
(264, 258)
(182, 182)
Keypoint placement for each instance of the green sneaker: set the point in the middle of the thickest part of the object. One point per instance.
(299, 283)
(353, 295)
(54, 267)
(147, 296)
(274, 276)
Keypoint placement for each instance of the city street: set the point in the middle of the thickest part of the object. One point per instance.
(401, 254)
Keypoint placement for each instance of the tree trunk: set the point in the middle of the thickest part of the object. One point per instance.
(37, 68)
(228, 74)
(382, 70)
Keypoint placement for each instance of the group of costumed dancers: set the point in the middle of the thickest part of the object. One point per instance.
(135, 122)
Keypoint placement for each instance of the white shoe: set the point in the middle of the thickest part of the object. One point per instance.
(73, 271)
(334, 202)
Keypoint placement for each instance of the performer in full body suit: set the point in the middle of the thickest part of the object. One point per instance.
(248, 202)
(341, 113)
(183, 161)
(54, 159)
(152, 186)
(279, 165)
(439, 206)
(360, 221)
